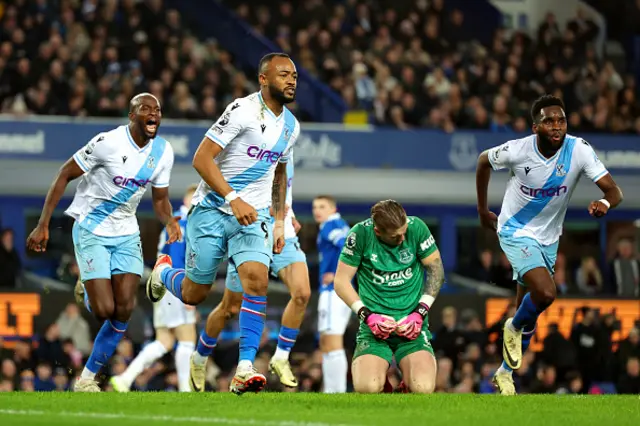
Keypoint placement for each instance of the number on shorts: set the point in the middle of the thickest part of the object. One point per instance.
(265, 229)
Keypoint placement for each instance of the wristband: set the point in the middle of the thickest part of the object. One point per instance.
(231, 196)
(355, 306)
(364, 313)
(427, 300)
(605, 202)
(422, 310)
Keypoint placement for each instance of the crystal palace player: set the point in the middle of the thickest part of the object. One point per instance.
(116, 168)
(545, 168)
(291, 267)
(242, 162)
(390, 253)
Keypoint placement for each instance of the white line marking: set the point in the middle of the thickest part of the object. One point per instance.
(220, 420)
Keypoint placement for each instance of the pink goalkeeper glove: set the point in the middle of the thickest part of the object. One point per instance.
(381, 325)
(411, 325)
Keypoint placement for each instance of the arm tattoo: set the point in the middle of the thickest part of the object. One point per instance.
(279, 191)
(435, 278)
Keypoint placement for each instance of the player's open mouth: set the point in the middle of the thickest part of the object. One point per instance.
(151, 125)
(290, 91)
(556, 137)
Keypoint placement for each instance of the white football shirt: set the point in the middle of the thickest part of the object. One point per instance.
(253, 141)
(289, 231)
(116, 175)
(539, 189)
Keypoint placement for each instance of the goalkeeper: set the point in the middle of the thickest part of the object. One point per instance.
(390, 253)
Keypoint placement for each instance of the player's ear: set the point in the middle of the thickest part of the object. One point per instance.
(262, 79)
(534, 128)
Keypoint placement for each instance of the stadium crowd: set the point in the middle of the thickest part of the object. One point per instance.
(468, 354)
(408, 66)
(416, 65)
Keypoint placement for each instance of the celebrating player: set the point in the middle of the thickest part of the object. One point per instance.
(390, 253)
(172, 319)
(116, 167)
(333, 314)
(242, 162)
(545, 168)
(291, 267)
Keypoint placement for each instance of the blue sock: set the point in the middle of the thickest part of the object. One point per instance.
(527, 313)
(105, 344)
(527, 334)
(287, 338)
(172, 279)
(87, 304)
(252, 316)
(206, 344)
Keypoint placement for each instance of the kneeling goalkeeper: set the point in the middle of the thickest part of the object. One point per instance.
(390, 253)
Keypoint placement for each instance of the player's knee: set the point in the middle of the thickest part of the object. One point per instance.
(194, 294)
(423, 385)
(368, 386)
(546, 297)
(103, 309)
(255, 282)
(301, 297)
(231, 310)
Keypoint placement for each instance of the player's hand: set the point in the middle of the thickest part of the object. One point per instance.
(411, 325)
(488, 219)
(598, 209)
(38, 239)
(296, 224)
(278, 236)
(244, 212)
(381, 325)
(173, 230)
(327, 278)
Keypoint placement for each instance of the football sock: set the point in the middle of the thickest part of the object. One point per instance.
(286, 340)
(183, 352)
(172, 279)
(105, 345)
(334, 371)
(252, 317)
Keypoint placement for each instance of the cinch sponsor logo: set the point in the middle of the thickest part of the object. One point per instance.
(263, 154)
(130, 182)
(543, 192)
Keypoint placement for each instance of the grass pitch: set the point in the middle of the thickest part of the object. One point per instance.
(284, 409)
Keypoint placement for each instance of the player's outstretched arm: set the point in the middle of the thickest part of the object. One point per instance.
(37, 240)
(211, 174)
(611, 199)
(342, 283)
(483, 175)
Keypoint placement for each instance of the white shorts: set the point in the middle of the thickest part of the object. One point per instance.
(170, 312)
(333, 313)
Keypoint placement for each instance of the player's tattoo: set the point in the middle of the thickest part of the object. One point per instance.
(279, 191)
(435, 278)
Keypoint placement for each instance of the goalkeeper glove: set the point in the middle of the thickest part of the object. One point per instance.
(381, 325)
(411, 325)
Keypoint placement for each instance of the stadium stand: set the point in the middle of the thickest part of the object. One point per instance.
(407, 67)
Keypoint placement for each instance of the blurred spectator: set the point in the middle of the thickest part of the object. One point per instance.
(484, 271)
(588, 340)
(10, 263)
(545, 380)
(503, 272)
(448, 340)
(629, 347)
(50, 348)
(629, 381)
(73, 326)
(560, 274)
(625, 270)
(588, 277)
(558, 351)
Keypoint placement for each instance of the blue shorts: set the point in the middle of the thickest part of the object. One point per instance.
(101, 257)
(212, 234)
(291, 253)
(525, 254)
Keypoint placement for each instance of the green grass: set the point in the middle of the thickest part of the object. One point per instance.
(283, 409)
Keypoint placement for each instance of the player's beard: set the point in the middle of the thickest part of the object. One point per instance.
(279, 95)
(548, 144)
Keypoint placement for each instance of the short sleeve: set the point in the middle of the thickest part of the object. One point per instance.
(501, 157)
(424, 239)
(230, 124)
(288, 152)
(164, 176)
(592, 167)
(336, 235)
(93, 154)
(353, 248)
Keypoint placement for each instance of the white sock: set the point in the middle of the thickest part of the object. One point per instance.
(334, 371)
(281, 353)
(146, 357)
(244, 365)
(503, 370)
(183, 353)
(87, 374)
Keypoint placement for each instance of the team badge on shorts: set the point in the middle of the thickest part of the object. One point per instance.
(525, 252)
(90, 267)
(191, 259)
